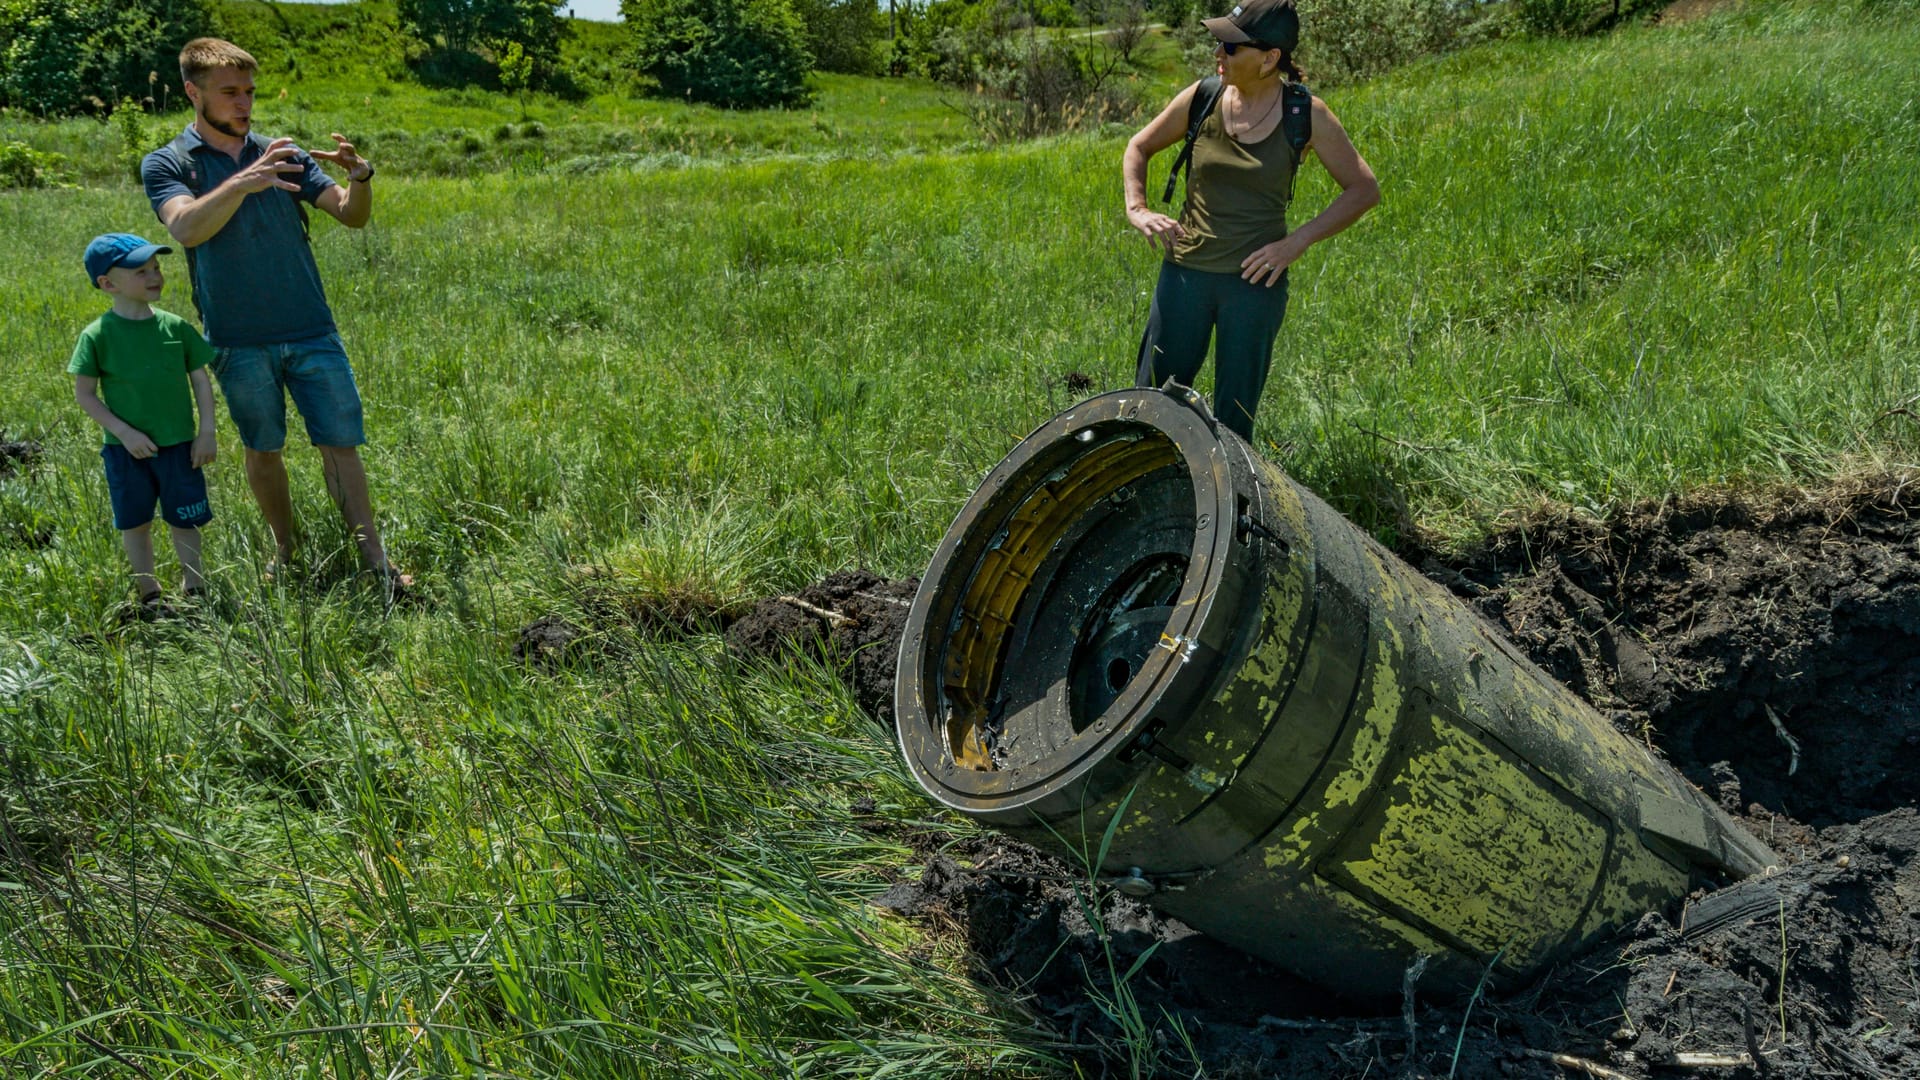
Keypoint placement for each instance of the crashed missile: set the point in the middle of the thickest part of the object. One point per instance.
(1313, 753)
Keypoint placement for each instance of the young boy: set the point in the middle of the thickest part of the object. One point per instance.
(143, 360)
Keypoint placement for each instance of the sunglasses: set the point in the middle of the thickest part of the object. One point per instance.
(1230, 47)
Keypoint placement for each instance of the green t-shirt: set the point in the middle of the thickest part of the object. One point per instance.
(142, 366)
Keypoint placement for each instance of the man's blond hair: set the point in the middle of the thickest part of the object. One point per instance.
(202, 55)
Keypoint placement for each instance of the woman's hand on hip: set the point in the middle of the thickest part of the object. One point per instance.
(1159, 229)
(1269, 261)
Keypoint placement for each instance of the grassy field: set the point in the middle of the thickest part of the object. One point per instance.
(344, 67)
(308, 838)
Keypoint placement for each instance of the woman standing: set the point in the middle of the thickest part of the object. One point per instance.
(1225, 272)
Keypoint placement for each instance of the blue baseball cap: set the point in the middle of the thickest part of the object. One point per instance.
(109, 250)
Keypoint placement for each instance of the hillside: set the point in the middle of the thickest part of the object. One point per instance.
(347, 67)
(637, 365)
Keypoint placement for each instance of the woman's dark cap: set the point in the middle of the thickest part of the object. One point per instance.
(1272, 23)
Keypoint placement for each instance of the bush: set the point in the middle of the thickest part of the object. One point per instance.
(952, 41)
(1037, 85)
(741, 54)
(131, 122)
(452, 69)
(844, 35)
(63, 57)
(21, 166)
(1565, 17)
(1342, 40)
(1174, 13)
(1031, 83)
(451, 28)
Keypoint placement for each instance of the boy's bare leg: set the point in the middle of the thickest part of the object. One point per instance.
(138, 544)
(186, 546)
(267, 476)
(347, 482)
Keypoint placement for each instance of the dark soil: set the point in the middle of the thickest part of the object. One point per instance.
(22, 532)
(1771, 651)
(17, 452)
(852, 619)
(550, 642)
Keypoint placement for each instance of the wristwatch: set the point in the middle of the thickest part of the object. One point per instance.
(362, 179)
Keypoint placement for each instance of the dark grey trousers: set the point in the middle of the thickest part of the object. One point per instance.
(1192, 306)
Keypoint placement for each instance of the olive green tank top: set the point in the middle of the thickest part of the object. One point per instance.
(1236, 198)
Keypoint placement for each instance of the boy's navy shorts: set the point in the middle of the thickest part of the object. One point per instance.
(167, 477)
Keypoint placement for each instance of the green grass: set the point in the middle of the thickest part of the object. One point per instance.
(1599, 290)
(306, 839)
(345, 68)
(416, 130)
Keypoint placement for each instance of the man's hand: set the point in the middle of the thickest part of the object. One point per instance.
(1269, 261)
(137, 444)
(271, 170)
(345, 156)
(205, 449)
(1159, 229)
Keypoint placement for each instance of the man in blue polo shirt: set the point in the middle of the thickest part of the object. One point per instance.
(234, 199)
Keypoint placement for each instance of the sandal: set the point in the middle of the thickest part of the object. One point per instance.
(395, 584)
(152, 608)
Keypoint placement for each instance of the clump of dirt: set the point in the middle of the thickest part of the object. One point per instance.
(1817, 968)
(1772, 652)
(550, 643)
(1079, 955)
(851, 619)
(1770, 649)
(23, 532)
(17, 453)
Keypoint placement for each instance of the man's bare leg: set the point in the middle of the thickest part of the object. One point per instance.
(267, 476)
(347, 483)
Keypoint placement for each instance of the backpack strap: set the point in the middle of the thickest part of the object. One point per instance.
(195, 178)
(1205, 96)
(1296, 123)
(191, 174)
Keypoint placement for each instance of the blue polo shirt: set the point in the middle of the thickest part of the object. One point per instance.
(254, 282)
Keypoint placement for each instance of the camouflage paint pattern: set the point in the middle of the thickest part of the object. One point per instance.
(1329, 762)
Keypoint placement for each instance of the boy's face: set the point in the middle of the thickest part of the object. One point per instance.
(223, 100)
(142, 283)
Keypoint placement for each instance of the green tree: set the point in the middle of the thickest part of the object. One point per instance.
(843, 35)
(742, 54)
(516, 69)
(1174, 13)
(473, 26)
(59, 57)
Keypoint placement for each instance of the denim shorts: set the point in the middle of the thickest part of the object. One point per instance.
(134, 484)
(256, 380)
